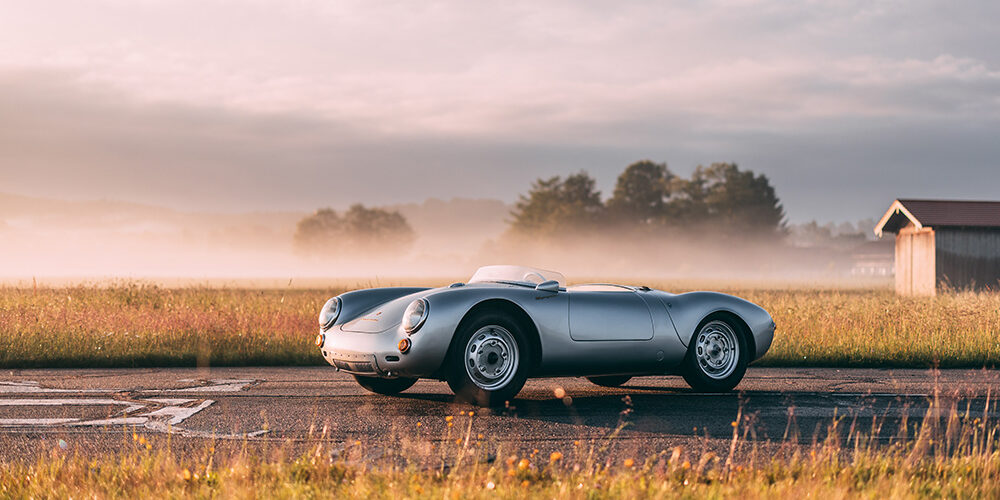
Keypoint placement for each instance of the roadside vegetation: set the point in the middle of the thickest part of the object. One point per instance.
(132, 324)
(951, 453)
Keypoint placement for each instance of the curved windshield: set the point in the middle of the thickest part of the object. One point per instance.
(516, 274)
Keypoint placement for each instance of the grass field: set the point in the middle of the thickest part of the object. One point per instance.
(952, 454)
(132, 324)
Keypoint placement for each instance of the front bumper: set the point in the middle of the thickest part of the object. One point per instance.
(378, 354)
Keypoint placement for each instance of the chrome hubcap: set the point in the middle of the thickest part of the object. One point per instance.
(717, 349)
(491, 357)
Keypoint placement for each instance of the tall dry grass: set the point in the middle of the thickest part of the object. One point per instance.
(137, 324)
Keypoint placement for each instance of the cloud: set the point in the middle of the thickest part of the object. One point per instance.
(270, 104)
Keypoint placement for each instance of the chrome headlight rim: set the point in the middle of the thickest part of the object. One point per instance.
(411, 327)
(329, 314)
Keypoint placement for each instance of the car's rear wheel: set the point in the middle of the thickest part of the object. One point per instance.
(610, 380)
(489, 360)
(717, 355)
(387, 386)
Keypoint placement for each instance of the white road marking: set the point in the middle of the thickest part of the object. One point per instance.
(217, 385)
(112, 421)
(18, 422)
(170, 401)
(214, 385)
(178, 414)
(130, 406)
(162, 419)
(31, 386)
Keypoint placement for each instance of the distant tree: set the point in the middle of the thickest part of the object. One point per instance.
(641, 193)
(371, 231)
(555, 206)
(730, 199)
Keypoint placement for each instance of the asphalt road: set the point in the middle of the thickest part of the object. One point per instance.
(93, 411)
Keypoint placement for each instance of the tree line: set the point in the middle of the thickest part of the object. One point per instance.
(648, 198)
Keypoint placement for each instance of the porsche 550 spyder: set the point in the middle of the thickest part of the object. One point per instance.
(509, 323)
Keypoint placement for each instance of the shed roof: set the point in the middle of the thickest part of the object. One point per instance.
(939, 213)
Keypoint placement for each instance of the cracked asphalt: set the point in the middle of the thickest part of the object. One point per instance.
(95, 411)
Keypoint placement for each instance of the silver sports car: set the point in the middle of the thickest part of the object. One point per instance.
(508, 323)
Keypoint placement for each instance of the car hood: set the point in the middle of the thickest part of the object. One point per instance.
(385, 316)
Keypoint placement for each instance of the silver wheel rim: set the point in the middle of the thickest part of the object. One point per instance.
(717, 350)
(491, 357)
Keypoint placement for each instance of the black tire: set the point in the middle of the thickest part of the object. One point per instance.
(489, 326)
(610, 380)
(387, 386)
(698, 373)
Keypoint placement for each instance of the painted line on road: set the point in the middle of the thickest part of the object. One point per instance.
(163, 419)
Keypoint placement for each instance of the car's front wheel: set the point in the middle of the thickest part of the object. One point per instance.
(387, 386)
(489, 360)
(717, 356)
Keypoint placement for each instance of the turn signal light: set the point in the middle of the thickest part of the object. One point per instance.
(404, 345)
(320, 339)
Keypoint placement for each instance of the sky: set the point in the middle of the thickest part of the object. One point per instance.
(231, 106)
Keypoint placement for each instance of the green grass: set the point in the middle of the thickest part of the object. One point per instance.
(132, 324)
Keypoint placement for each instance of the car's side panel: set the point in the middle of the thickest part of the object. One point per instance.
(564, 356)
(549, 311)
(608, 315)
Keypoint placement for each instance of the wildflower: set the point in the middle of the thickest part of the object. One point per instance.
(449, 418)
(576, 443)
(458, 441)
(629, 462)
(525, 483)
(135, 437)
(142, 440)
(357, 443)
(471, 413)
(419, 424)
(559, 392)
(686, 465)
(511, 459)
(511, 472)
(555, 456)
(450, 424)
(523, 464)
(733, 423)
(149, 447)
(186, 474)
(490, 485)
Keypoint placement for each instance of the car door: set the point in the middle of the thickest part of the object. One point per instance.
(604, 315)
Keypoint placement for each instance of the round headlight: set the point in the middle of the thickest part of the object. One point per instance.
(331, 310)
(415, 315)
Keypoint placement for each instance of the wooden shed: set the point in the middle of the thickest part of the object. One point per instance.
(944, 243)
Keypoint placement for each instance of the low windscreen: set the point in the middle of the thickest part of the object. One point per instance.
(516, 274)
